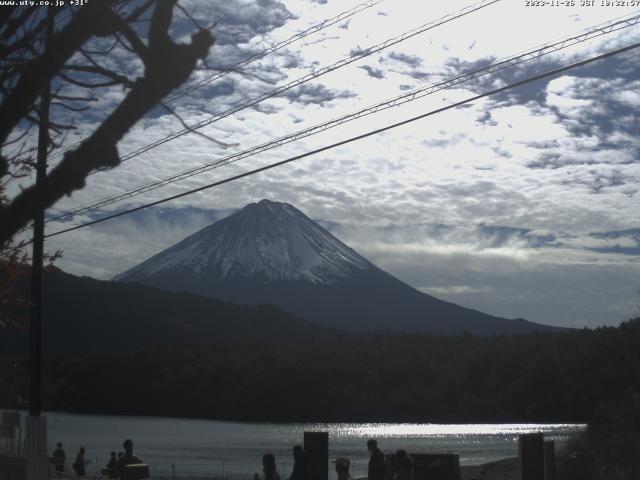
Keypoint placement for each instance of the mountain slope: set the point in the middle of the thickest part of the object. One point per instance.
(82, 314)
(267, 241)
(271, 252)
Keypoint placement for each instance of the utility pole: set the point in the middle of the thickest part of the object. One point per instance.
(37, 458)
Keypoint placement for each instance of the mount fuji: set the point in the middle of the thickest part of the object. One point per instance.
(270, 252)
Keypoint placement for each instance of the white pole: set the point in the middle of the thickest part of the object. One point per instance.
(37, 458)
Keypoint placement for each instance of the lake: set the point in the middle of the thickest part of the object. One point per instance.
(208, 448)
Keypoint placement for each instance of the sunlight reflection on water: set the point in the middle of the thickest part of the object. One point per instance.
(390, 430)
(204, 449)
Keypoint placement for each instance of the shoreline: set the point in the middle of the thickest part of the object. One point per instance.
(24, 412)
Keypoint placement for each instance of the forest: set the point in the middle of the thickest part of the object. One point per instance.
(537, 377)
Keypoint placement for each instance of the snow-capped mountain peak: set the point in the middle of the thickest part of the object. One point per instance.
(267, 240)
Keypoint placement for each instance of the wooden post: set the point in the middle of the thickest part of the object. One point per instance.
(549, 460)
(316, 444)
(531, 448)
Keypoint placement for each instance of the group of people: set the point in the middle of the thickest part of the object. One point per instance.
(377, 470)
(113, 469)
(59, 457)
(402, 464)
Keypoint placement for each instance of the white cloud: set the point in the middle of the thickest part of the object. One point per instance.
(454, 290)
(630, 96)
(558, 157)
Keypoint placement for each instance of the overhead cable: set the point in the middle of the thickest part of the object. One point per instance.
(258, 56)
(311, 76)
(407, 97)
(274, 48)
(510, 86)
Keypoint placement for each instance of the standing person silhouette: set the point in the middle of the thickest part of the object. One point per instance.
(342, 468)
(127, 459)
(59, 457)
(404, 466)
(377, 469)
(269, 467)
(112, 466)
(79, 463)
(299, 471)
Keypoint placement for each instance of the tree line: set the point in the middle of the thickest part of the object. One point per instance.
(538, 377)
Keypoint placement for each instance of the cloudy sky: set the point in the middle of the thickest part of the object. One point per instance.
(523, 204)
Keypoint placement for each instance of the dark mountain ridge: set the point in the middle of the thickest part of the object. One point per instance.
(82, 314)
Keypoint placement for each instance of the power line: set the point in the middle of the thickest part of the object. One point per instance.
(498, 65)
(260, 55)
(361, 54)
(358, 137)
(274, 48)
(311, 76)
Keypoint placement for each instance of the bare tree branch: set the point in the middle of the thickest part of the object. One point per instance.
(70, 107)
(138, 12)
(189, 16)
(167, 66)
(136, 43)
(73, 98)
(39, 72)
(115, 78)
(80, 83)
(19, 138)
(12, 25)
(192, 130)
(102, 52)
